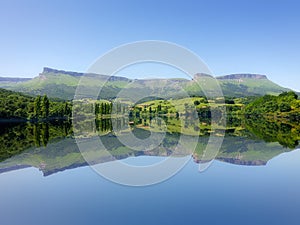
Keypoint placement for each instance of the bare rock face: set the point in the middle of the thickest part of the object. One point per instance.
(202, 75)
(242, 76)
(50, 70)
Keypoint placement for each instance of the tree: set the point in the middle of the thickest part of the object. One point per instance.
(45, 107)
(97, 108)
(289, 95)
(159, 108)
(284, 107)
(67, 110)
(196, 102)
(37, 107)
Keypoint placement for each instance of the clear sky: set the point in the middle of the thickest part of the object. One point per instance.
(230, 36)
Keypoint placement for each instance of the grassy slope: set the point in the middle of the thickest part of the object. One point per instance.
(64, 85)
(250, 87)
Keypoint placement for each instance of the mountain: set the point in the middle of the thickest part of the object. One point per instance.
(242, 76)
(248, 84)
(13, 79)
(63, 84)
(62, 153)
(7, 82)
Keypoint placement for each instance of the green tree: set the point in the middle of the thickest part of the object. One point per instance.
(67, 110)
(196, 102)
(159, 108)
(284, 107)
(97, 108)
(37, 107)
(45, 107)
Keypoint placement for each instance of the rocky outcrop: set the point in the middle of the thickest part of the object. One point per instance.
(242, 76)
(242, 162)
(50, 70)
(202, 75)
(234, 161)
(77, 74)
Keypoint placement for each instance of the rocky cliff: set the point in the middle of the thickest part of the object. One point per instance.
(242, 76)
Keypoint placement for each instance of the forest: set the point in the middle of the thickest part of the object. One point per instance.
(285, 105)
(18, 106)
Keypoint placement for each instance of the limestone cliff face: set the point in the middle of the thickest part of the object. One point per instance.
(242, 76)
(62, 84)
(232, 76)
(50, 70)
(202, 75)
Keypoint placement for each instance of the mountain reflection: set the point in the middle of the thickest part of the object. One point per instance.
(51, 146)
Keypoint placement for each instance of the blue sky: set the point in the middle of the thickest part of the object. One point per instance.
(230, 36)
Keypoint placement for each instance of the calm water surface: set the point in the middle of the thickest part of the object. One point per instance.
(224, 194)
(246, 185)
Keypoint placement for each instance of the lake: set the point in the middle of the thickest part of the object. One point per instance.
(254, 178)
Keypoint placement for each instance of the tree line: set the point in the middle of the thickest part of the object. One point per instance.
(23, 107)
(286, 104)
(19, 106)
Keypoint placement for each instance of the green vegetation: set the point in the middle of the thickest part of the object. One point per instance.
(258, 128)
(268, 130)
(24, 143)
(15, 138)
(17, 106)
(188, 107)
(286, 105)
(88, 108)
(62, 84)
(250, 87)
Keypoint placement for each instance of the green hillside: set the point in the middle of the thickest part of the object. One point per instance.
(62, 84)
(250, 87)
(16, 106)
